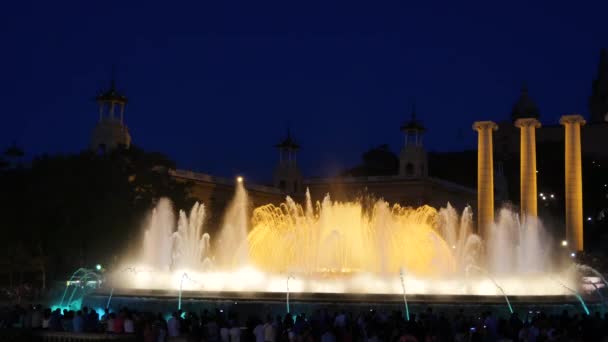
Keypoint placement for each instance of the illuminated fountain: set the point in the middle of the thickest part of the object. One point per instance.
(341, 247)
(354, 250)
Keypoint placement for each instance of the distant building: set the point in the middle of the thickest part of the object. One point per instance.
(110, 131)
(408, 185)
(594, 134)
(550, 146)
(598, 102)
(287, 176)
(410, 178)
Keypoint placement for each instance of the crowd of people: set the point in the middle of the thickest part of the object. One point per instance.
(321, 325)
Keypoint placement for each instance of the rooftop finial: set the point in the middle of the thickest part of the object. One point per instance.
(288, 142)
(525, 107)
(113, 77)
(413, 109)
(413, 123)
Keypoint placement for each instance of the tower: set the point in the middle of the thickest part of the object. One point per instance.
(598, 102)
(413, 159)
(110, 131)
(574, 180)
(525, 106)
(287, 176)
(485, 176)
(525, 113)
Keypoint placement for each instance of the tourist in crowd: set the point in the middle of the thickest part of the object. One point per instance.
(224, 332)
(78, 322)
(46, 318)
(37, 317)
(173, 325)
(235, 332)
(211, 329)
(66, 321)
(269, 330)
(119, 322)
(110, 326)
(322, 325)
(258, 331)
(91, 323)
(129, 325)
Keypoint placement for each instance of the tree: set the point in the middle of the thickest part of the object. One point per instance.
(378, 161)
(68, 211)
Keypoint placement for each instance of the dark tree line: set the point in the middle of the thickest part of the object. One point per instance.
(62, 212)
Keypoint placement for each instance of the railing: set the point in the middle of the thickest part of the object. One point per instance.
(202, 177)
(363, 179)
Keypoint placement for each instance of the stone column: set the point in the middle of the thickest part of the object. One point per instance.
(527, 169)
(574, 180)
(485, 176)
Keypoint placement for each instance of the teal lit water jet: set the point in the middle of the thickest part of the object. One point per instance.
(576, 294)
(484, 272)
(287, 294)
(407, 310)
(110, 298)
(83, 276)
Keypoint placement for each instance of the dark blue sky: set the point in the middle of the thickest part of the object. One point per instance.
(215, 85)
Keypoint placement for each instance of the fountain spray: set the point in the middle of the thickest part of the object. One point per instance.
(592, 270)
(484, 272)
(179, 298)
(576, 294)
(110, 298)
(407, 310)
(290, 276)
(83, 275)
(581, 267)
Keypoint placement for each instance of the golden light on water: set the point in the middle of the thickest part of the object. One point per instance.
(341, 238)
(339, 247)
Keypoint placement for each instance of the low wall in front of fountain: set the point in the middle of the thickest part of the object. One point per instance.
(262, 304)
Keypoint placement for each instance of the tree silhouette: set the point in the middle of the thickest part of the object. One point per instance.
(68, 211)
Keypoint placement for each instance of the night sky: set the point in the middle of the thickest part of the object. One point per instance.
(215, 86)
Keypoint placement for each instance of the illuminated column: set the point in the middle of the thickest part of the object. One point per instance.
(527, 168)
(574, 180)
(485, 176)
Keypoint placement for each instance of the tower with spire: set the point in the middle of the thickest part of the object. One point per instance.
(525, 107)
(110, 131)
(598, 102)
(287, 175)
(413, 158)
